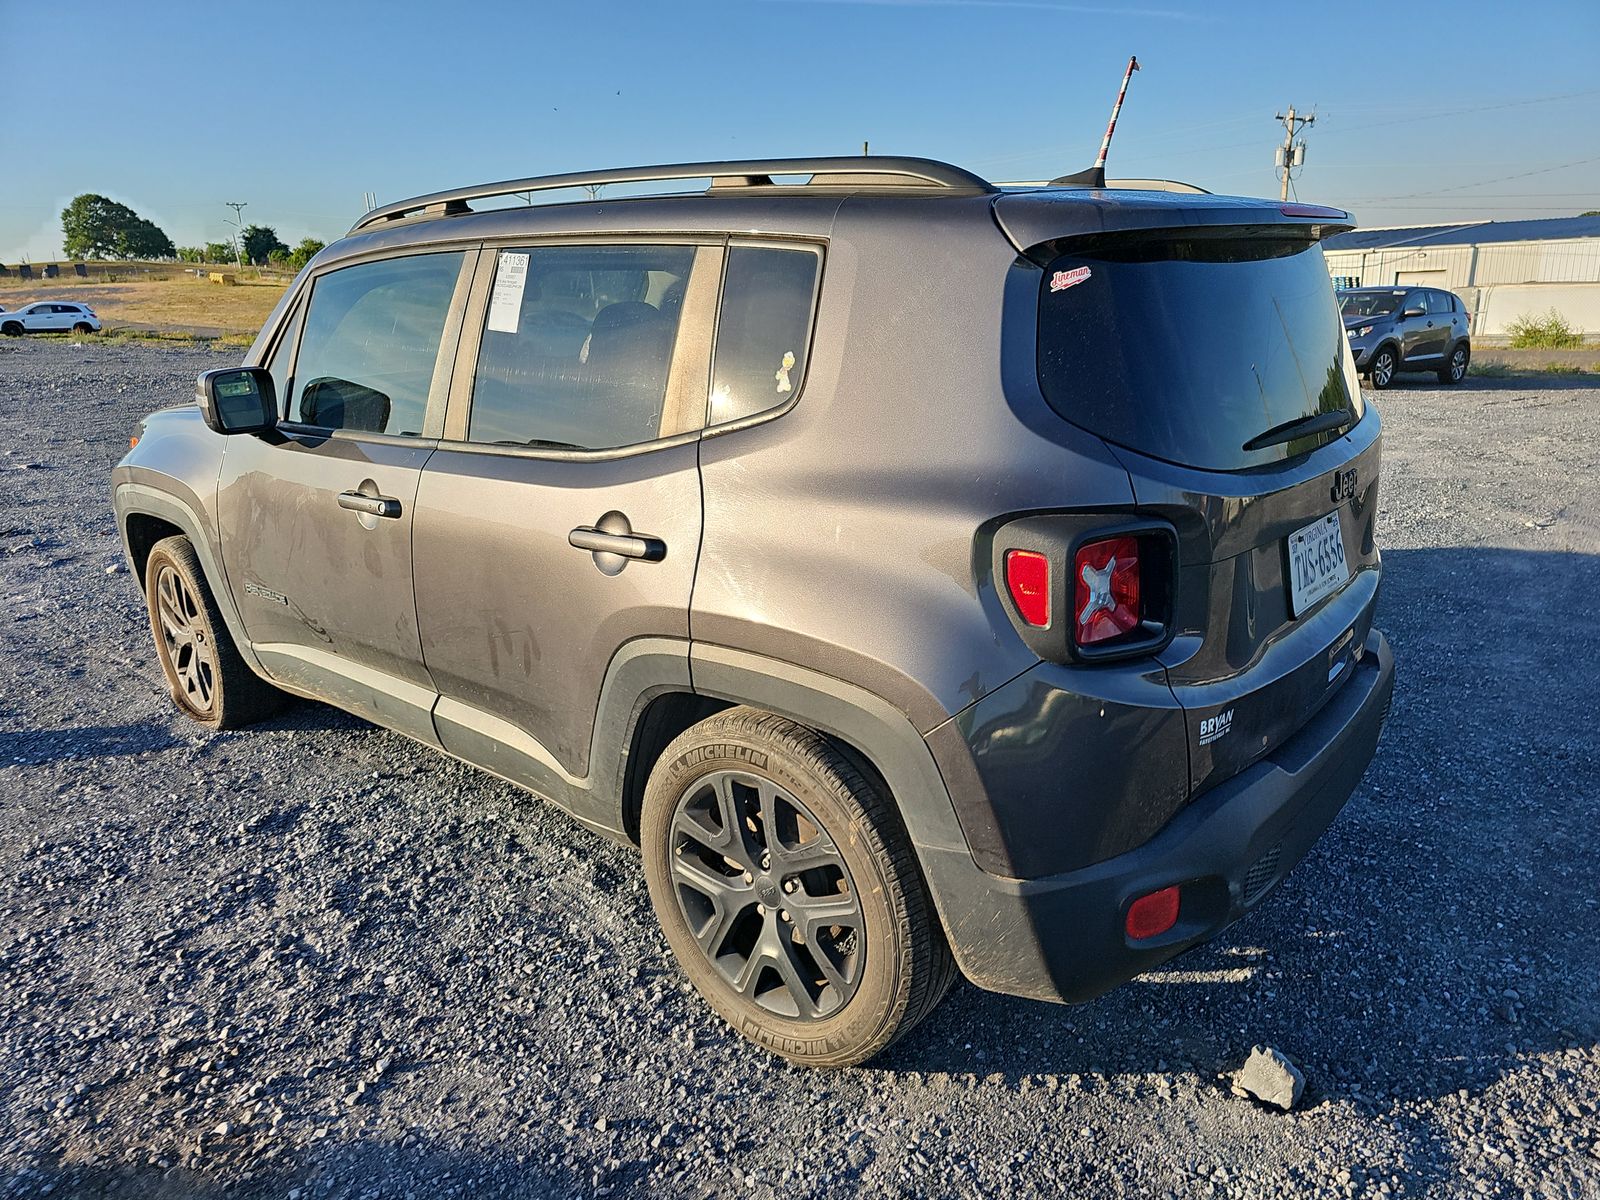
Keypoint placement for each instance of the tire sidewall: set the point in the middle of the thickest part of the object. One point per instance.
(868, 1020)
(160, 558)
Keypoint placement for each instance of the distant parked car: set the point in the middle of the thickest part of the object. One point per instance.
(50, 317)
(1406, 329)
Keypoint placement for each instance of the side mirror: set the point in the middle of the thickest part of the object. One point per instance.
(1415, 312)
(237, 399)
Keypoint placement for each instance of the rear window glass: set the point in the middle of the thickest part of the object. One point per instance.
(763, 330)
(1369, 304)
(1188, 349)
(577, 346)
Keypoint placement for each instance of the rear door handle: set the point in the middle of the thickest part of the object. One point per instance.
(628, 545)
(373, 506)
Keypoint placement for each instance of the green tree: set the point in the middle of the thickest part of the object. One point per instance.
(304, 252)
(219, 252)
(191, 254)
(259, 243)
(95, 226)
(142, 239)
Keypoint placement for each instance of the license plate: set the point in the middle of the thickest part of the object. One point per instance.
(1317, 565)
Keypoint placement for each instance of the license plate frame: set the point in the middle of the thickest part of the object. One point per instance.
(1316, 561)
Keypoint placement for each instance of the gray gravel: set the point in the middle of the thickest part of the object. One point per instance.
(314, 959)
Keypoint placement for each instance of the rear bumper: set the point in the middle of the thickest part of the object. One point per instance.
(1061, 937)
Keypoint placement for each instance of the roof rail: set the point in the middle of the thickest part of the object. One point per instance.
(852, 171)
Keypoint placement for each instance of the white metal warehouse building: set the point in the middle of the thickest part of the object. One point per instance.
(1500, 269)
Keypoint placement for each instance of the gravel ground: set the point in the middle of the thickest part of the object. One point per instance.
(315, 959)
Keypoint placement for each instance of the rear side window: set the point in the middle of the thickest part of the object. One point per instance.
(371, 343)
(1438, 302)
(577, 346)
(1187, 349)
(763, 330)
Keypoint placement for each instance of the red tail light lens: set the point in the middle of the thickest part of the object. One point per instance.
(1028, 581)
(1106, 603)
(1153, 914)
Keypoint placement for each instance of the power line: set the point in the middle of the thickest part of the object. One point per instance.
(1461, 187)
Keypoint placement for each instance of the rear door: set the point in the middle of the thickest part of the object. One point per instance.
(1217, 368)
(316, 521)
(559, 519)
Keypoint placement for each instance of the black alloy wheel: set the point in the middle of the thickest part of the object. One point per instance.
(767, 895)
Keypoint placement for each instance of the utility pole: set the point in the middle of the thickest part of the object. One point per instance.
(238, 212)
(866, 149)
(1291, 154)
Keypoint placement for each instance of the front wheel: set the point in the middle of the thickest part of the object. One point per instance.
(788, 891)
(208, 679)
(1456, 369)
(1384, 365)
(11, 329)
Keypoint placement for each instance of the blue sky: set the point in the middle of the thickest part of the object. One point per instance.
(1425, 112)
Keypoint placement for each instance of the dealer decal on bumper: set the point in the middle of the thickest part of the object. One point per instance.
(1216, 728)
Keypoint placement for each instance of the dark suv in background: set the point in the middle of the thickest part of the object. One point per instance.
(1407, 329)
(925, 575)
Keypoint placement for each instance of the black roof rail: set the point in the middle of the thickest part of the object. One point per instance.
(852, 171)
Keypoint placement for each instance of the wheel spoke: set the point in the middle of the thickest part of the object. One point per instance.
(818, 852)
(794, 980)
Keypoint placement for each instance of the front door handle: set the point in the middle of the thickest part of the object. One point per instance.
(628, 545)
(373, 506)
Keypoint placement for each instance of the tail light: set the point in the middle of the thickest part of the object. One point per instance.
(1106, 577)
(1028, 581)
(1082, 587)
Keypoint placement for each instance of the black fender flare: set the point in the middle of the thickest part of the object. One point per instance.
(129, 498)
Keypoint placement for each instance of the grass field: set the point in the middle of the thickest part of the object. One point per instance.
(180, 304)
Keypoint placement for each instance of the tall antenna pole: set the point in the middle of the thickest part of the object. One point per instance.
(1095, 176)
(1111, 125)
(1291, 155)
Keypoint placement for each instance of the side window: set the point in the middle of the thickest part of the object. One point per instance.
(577, 346)
(282, 353)
(1438, 302)
(1418, 300)
(371, 342)
(763, 329)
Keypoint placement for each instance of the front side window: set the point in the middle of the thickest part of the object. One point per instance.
(371, 342)
(1438, 302)
(278, 364)
(577, 346)
(763, 330)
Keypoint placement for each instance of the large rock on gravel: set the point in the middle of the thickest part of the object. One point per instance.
(1270, 1077)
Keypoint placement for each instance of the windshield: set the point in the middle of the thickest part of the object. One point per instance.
(1369, 304)
(1188, 349)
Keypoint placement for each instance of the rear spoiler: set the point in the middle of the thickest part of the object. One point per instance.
(1050, 215)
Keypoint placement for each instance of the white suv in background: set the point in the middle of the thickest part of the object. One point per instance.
(50, 316)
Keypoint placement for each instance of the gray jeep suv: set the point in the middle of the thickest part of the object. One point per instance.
(1406, 329)
(925, 575)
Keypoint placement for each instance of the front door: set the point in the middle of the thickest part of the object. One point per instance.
(317, 518)
(560, 517)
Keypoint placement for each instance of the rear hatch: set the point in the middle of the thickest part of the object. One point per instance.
(1199, 336)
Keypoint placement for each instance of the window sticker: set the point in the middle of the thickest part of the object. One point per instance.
(1062, 280)
(783, 373)
(505, 302)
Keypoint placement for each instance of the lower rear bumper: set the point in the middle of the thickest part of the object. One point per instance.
(1062, 937)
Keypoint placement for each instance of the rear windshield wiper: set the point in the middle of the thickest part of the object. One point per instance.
(1329, 422)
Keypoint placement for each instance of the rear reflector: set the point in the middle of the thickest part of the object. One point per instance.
(1106, 585)
(1153, 914)
(1028, 581)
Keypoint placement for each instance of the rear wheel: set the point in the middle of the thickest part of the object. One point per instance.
(1384, 364)
(788, 891)
(1455, 370)
(205, 673)
(83, 327)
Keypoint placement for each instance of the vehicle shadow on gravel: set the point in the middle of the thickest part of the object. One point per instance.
(34, 747)
(406, 1168)
(1445, 928)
